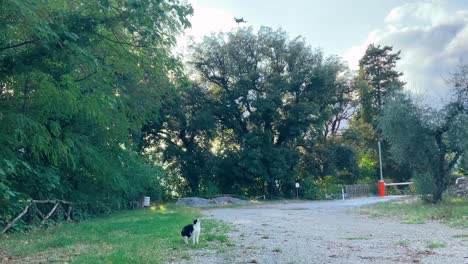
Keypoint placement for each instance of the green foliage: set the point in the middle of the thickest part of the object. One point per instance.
(345, 164)
(142, 236)
(311, 190)
(362, 137)
(367, 169)
(377, 79)
(93, 106)
(321, 189)
(364, 90)
(183, 135)
(259, 96)
(209, 190)
(424, 184)
(77, 80)
(429, 141)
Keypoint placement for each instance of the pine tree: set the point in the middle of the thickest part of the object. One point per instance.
(377, 69)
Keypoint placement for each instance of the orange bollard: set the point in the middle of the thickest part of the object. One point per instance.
(381, 188)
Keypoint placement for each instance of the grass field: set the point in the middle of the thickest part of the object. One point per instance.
(452, 211)
(143, 236)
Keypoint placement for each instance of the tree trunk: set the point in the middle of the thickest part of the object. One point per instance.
(442, 173)
(193, 182)
(272, 187)
(437, 194)
(26, 90)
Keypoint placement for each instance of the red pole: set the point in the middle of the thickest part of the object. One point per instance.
(381, 188)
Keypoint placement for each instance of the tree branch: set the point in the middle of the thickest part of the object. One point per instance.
(454, 161)
(120, 42)
(86, 77)
(17, 45)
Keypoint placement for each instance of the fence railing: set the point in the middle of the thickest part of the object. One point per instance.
(33, 209)
(357, 190)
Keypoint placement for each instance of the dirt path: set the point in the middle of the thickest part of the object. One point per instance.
(326, 232)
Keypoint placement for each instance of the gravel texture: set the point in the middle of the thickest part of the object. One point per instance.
(328, 232)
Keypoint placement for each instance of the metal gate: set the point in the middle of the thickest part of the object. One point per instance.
(357, 190)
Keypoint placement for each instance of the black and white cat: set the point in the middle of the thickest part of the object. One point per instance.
(192, 230)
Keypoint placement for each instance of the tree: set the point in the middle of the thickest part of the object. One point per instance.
(343, 107)
(362, 137)
(184, 134)
(430, 141)
(377, 69)
(377, 79)
(269, 95)
(77, 79)
(459, 80)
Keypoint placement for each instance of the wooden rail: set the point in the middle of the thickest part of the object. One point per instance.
(44, 217)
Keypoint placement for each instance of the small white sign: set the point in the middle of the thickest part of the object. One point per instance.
(146, 201)
(297, 185)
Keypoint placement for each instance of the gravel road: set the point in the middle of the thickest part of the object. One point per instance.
(329, 232)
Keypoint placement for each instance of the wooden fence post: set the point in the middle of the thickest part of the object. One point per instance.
(9, 224)
(50, 213)
(68, 214)
(43, 217)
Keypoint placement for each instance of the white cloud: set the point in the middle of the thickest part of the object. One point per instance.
(432, 41)
(417, 14)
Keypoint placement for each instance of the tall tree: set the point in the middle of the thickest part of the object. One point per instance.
(377, 69)
(77, 78)
(430, 141)
(344, 106)
(269, 95)
(377, 80)
(184, 134)
(459, 80)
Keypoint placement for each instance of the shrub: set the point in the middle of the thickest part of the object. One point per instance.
(321, 188)
(424, 185)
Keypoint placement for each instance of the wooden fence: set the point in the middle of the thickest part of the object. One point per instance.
(357, 190)
(33, 209)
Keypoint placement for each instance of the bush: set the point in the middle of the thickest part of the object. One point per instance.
(424, 185)
(311, 190)
(321, 188)
(367, 168)
(209, 190)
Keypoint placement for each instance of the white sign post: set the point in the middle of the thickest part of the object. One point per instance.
(146, 201)
(297, 190)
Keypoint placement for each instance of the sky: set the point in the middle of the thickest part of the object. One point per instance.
(431, 34)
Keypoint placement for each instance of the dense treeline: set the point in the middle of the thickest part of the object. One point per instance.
(265, 111)
(94, 108)
(258, 119)
(78, 80)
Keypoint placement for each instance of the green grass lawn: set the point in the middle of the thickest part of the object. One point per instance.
(142, 236)
(452, 211)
